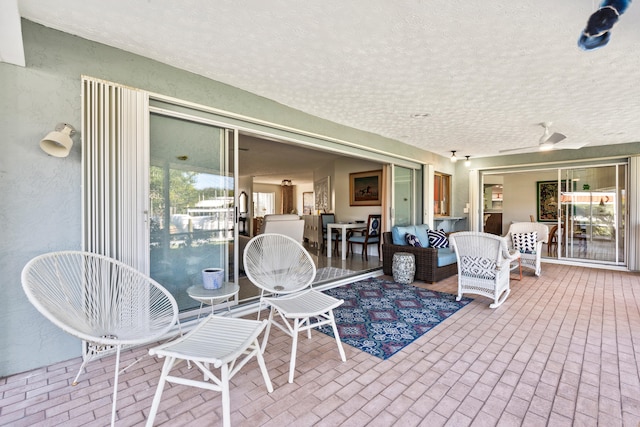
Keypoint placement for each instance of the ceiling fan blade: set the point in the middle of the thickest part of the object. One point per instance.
(555, 138)
(521, 149)
(569, 145)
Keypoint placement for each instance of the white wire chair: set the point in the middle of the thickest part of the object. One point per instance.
(530, 259)
(218, 341)
(100, 300)
(483, 265)
(284, 271)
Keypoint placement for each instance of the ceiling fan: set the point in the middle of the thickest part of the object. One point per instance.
(549, 141)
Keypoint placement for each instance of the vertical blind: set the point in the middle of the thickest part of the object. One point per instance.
(634, 213)
(475, 196)
(115, 158)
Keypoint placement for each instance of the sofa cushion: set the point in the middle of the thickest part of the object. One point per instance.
(399, 232)
(413, 240)
(438, 239)
(446, 256)
(422, 234)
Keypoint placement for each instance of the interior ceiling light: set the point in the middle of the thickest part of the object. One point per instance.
(467, 161)
(453, 157)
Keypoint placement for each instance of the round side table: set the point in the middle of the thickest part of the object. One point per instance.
(404, 267)
(213, 296)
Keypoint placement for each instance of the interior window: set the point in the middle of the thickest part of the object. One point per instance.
(442, 194)
(264, 204)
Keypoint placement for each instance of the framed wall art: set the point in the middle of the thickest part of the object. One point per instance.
(364, 188)
(547, 201)
(307, 203)
(322, 191)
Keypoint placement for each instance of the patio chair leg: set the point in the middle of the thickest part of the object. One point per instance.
(226, 400)
(166, 368)
(266, 331)
(498, 301)
(337, 336)
(263, 367)
(115, 386)
(85, 360)
(294, 348)
(307, 322)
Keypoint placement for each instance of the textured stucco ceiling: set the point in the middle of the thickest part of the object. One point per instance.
(479, 76)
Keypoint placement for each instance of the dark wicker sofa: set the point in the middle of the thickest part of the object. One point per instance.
(426, 261)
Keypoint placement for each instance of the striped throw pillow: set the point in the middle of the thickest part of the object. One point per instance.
(438, 239)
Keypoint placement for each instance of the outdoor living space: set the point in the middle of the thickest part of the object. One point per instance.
(560, 351)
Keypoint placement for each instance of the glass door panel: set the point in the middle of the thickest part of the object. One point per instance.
(402, 196)
(192, 206)
(591, 224)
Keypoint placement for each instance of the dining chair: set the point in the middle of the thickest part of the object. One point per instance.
(368, 236)
(336, 236)
(552, 243)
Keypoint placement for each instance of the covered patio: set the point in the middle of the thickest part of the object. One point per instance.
(562, 350)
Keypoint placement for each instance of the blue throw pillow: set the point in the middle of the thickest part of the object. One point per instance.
(438, 239)
(422, 234)
(398, 234)
(413, 241)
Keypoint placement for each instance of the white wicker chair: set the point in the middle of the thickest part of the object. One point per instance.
(284, 271)
(102, 301)
(483, 265)
(530, 260)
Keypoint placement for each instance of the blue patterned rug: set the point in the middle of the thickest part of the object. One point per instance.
(381, 317)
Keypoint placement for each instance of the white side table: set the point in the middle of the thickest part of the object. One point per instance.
(213, 296)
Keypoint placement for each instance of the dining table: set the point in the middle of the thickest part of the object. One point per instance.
(344, 226)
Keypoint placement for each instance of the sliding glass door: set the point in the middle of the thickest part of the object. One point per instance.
(591, 220)
(403, 195)
(192, 211)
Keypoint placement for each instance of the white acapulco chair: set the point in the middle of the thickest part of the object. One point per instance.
(219, 341)
(483, 265)
(284, 271)
(100, 300)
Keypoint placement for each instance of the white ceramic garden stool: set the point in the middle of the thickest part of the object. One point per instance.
(404, 267)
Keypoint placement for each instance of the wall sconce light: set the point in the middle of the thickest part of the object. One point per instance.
(58, 143)
(286, 182)
(243, 200)
(453, 157)
(467, 162)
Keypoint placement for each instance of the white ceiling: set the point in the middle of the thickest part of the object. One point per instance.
(484, 73)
